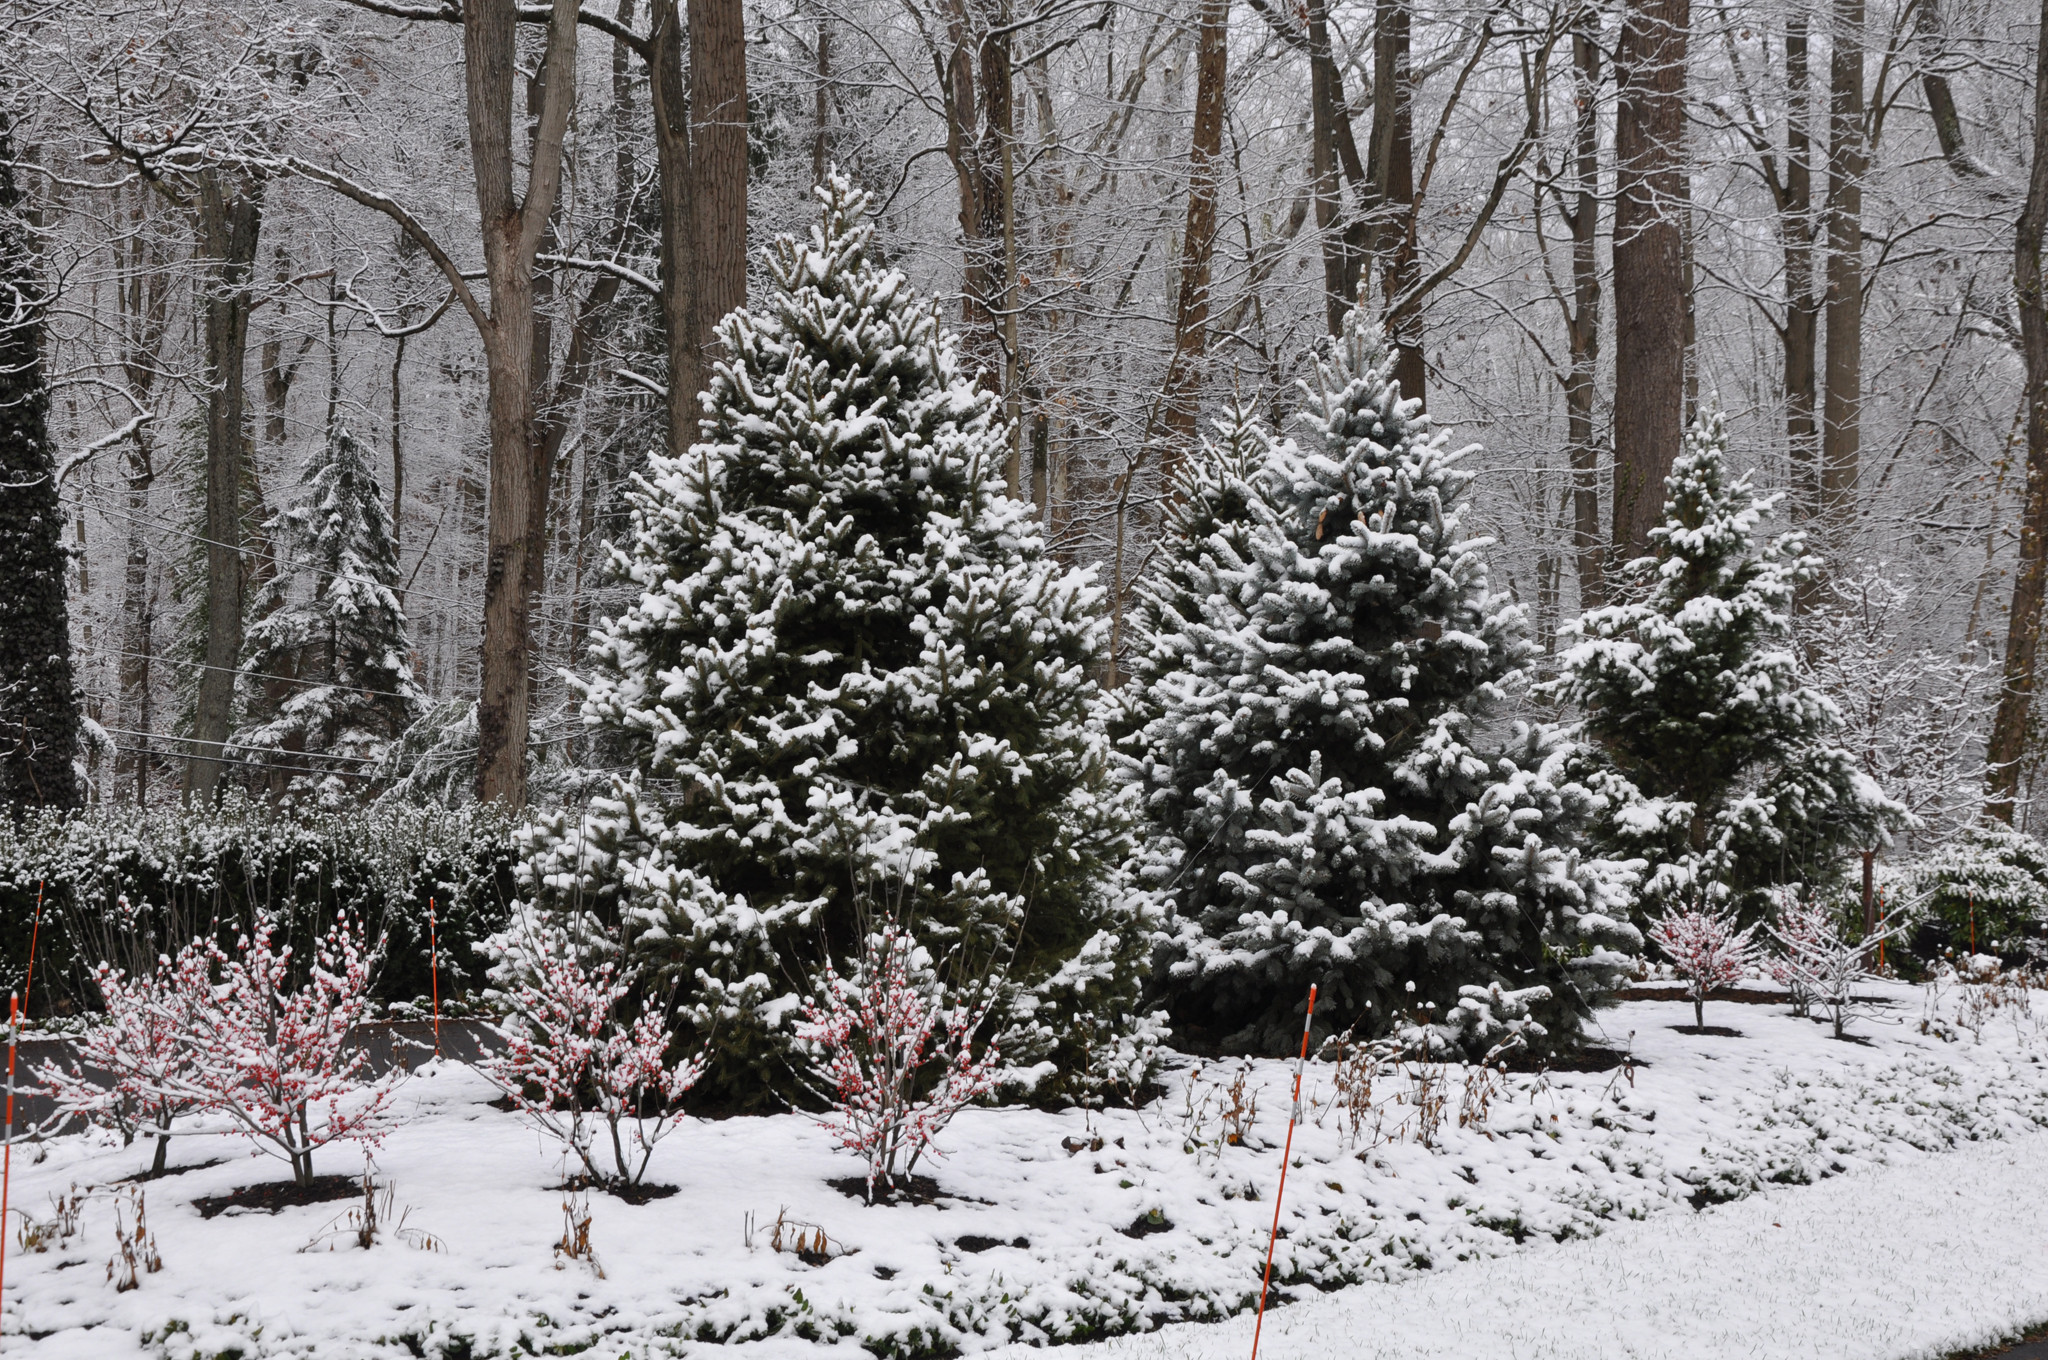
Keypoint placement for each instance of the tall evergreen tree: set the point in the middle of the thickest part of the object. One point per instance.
(39, 722)
(327, 684)
(1325, 805)
(1694, 698)
(853, 662)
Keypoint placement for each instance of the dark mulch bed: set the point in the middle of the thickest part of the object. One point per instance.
(1147, 1224)
(273, 1196)
(1718, 1031)
(170, 1171)
(1587, 1059)
(908, 1190)
(1745, 996)
(2034, 1346)
(644, 1193)
(975, 1242)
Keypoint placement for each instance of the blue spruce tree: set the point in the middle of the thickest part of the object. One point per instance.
(1327, 799)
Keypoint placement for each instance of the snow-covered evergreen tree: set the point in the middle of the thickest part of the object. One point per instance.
(1694, 697)
(1326, 804)
(852, 662)
(327, 683)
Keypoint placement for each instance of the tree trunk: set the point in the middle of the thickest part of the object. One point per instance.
(230, 218)
(1583, 324)
(39, 721)
(1649, 287)
(1341, 232)
(2009, 728)
(1848, 160)
(1393, 90)
(1182, 414)
(1802, 308)
(689, 366)
(1941, 100)
(512, 227)
(142, 299)
(718, 145)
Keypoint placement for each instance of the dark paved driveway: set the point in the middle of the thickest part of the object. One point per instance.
(391, 1045)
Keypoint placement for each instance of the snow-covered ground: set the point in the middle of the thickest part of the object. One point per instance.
(1075, 1225)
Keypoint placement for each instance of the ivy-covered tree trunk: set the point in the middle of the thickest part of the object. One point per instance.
(38, 708)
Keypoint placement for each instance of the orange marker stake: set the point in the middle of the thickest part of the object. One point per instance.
(7, 1153)
(434, 970)
(28, 985)
(1293, 1116)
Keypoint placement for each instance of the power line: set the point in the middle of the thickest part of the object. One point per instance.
(284, 766)
(162, 527)
(253, 758)
(261, 675)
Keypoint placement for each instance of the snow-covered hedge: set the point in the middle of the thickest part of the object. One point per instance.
(124, 883)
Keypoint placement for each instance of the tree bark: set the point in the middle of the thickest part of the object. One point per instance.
(230, 218)
(1941, 99)
(1341, 231)
(689, 365)
(2007, 746)
(513, 227)
(1582, 325)
(1182, 414)
(1394, 156)
(1649, 301)
(718, 134)
(1848, 160)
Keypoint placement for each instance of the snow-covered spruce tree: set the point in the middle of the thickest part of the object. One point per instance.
(1693, 696)
(1325, 804)
(1215, 500)
(852, 661)
(327, 673)
(39, 721)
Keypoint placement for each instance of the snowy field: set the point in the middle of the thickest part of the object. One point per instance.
(1074, 1226)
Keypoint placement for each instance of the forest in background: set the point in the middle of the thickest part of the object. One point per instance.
(245, 228)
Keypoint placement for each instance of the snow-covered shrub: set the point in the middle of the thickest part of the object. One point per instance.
(1707, 947)
(892, 1053)
(1988, 885)
(1310, 725)
(133, 1071)
(269, 1045)
(1826, 967)
(184, 872)
(847, 640)
(1693, 694)
(585, 1054)
(256, 1036)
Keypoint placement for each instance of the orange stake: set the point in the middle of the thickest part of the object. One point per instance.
(1287, 1155)
(434, 970)
(7, 1153)
(29, 984)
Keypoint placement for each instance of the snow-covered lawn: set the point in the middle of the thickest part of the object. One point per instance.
(1072, 1225)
